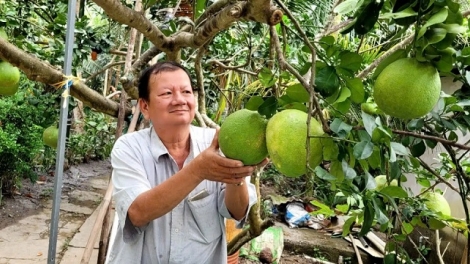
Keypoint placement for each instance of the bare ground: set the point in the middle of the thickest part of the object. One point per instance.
(30, 198)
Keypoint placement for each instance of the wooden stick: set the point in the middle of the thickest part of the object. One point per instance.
(96, 227)
(358, 254)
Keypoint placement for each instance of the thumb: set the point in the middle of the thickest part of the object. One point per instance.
(215, 140)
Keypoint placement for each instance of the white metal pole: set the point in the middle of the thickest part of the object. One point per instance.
(59, 167)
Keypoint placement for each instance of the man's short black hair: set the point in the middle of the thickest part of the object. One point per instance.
(163, 66)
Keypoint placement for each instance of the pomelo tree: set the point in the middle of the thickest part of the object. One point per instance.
(321, 58)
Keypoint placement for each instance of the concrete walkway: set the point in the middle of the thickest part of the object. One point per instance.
(28, 240)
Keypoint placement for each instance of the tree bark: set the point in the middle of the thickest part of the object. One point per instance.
(40, 71)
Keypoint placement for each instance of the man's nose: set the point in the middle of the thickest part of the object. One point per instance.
(178, 98)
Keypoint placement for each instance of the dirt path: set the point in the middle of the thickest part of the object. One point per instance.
(32, 197)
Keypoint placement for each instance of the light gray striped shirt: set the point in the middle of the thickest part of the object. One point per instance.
(193, 232)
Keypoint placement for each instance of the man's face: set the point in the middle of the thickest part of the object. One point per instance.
(171, 99)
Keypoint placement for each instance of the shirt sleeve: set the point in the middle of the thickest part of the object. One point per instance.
(129, 181)
(252, 199)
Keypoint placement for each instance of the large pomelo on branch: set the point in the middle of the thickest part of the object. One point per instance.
(286, 137)
(242, 136)
(437, 203)
(9, 78)
(407, 88)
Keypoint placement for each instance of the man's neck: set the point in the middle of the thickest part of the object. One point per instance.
(174, 139)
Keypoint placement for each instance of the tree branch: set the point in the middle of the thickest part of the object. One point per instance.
(385, 55)
(201, 93)
(433, 138)
(104, 69)
(441, 179)
(283, 64)
(40, 71)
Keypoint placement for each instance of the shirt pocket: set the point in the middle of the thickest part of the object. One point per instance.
(206, 225)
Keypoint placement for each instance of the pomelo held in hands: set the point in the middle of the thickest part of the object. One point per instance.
(407, 88)
(242, 136)
(286, 137)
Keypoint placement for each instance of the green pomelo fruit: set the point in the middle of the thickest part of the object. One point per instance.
(437, 203)
(242, 136)
(3, 34)
(9, 90)
(9, 77)
(286, 137)
(407, 88)
(381, 182)
(50, 136)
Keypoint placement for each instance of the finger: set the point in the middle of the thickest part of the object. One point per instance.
(215, 140)
(228, 163)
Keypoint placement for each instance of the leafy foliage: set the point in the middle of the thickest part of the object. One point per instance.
(22, 119)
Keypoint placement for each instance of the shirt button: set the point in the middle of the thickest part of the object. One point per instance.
(176, 230)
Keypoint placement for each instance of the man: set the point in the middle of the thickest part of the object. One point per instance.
(173, 189)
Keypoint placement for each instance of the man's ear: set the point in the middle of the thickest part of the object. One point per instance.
(144, 108)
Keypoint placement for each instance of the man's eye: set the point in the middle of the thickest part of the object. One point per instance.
(187, 91)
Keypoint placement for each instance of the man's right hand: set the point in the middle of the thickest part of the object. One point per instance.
(210, 165)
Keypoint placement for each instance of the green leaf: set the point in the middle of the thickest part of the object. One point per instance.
(254, 103)
(347, 225)
(363, 150)
(424, 182)
(298, 93)
(337, 171)
(399, 148)
(323, 174)
(437, 18)
(407, 228)
(407, 12)
(200, 7)
(344, 94)
(418, 149)
(350, 60)
(369, 122)
(379, 215)
(346, 7)
(435, 35)
(375, 159)
(391, 258)
(394, 192)
(349, 173)
(343, 208)
(415, 124)
(357, 90)
(268, 107)
(266, 77)
(371, 184)
(435, 224)
(343, 107)
(330, 149)
(327, 81)
(296, 105)
(341, 128)
(323, 209)
(453, 28)
(368, 220)
(368, 16)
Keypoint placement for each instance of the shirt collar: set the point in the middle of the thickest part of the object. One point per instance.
(158, 149)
